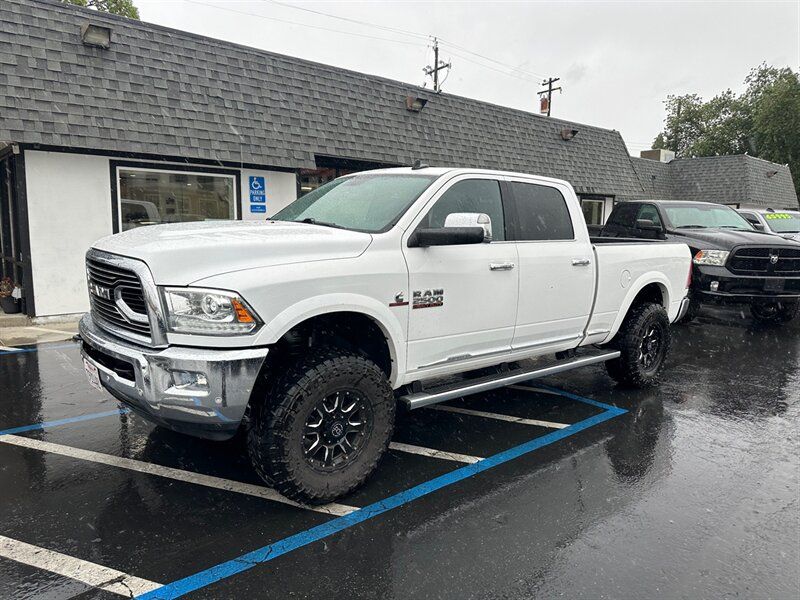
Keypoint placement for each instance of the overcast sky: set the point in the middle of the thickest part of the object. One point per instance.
(617, 60)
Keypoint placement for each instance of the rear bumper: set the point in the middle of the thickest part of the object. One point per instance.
(718, 284)
(152, 382)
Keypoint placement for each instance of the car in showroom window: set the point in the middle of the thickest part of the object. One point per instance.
(150, 197)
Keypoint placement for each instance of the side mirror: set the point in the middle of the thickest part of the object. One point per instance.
(446, 236)
(471, 220)
(759, 226)
(647, 225)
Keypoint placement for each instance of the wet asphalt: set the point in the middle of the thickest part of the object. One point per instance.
(694, 492)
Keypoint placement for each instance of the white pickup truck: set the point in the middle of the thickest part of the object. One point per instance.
(415, 285)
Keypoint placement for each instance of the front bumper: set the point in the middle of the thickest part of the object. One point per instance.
(148, 380)
(733, 288)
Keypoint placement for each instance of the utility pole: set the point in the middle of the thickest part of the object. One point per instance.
(549, 91)
(677, 129)
(437, 66)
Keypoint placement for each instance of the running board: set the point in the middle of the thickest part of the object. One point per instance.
(502, 379)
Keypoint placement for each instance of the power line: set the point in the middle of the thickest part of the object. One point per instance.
(415, 34)
(350, 20)
(249, 14)
(495, 69)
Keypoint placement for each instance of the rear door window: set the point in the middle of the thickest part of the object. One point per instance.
(542, 213)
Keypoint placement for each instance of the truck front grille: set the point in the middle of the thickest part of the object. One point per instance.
(112, 290)
(778, 262)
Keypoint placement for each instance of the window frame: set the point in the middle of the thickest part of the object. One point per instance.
(505, 203)
(602, 204)
(514, 229)
(116, 200)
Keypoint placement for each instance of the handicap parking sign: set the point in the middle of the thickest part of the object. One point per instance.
(258, 190)
(258, 208)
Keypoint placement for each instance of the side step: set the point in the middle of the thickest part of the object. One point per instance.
(502, 379)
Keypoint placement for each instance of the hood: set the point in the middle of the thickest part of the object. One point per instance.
(181, 253)
(727, 239)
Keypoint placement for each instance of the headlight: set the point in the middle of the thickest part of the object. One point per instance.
(208, 312)
(715, 258)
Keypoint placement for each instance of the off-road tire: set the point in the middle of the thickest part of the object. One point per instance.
(784, 312)
(628, 369)
(276, 424)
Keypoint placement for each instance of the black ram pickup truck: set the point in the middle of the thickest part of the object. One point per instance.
(733, 262)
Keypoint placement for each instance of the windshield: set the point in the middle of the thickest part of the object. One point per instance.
(783, 222)
(371, 203)
(701, 216)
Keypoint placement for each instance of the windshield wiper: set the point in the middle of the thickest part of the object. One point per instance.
(691, 227)
(313, 221)
(736, 227)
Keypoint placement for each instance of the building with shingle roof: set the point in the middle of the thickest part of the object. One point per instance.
(160, 125)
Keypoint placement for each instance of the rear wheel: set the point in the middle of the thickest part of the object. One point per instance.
(323, 427)
(775, 312)
(644, 341)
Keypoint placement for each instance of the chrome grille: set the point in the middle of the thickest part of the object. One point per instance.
(765, 261)
(114, 289)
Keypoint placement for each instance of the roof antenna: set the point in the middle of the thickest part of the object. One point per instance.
(418, 164)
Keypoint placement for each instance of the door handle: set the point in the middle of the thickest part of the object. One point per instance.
(506, 266)
(581, 262)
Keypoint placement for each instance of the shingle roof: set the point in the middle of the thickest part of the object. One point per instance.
(741, 179)
(167, 92)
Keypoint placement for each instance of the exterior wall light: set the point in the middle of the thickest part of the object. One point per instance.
(415, 104)
(568, 134)
(96, 36)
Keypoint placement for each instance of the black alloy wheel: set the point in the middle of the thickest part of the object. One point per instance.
(336, 430)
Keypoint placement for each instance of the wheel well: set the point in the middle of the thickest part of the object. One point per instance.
(350, 330)
(652, 293)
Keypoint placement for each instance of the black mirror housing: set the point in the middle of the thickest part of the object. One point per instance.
(648, 225)
(446, 236)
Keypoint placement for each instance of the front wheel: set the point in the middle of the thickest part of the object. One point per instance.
(644, 341)
(775, 312)
(323, 427)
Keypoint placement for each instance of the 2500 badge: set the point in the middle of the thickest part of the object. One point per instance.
(427, 298)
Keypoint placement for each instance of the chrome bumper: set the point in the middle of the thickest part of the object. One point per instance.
(683, 310)
(152, 381)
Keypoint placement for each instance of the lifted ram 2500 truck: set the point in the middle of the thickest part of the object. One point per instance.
(411, 285)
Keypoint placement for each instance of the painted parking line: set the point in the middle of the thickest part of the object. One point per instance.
(44, 346)
(57, 422)
(497, 416)
(98, 576)
(267, 553)
(170, 473)
(433, 453)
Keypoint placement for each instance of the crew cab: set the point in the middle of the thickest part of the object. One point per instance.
(733, 262)
(412, 285)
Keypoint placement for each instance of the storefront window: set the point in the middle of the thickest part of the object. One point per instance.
(593, 211)
(149, 197)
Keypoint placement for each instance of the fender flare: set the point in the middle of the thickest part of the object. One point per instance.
(642, 282)
(324, 304)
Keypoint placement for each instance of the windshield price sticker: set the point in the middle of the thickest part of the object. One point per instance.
(774, 216)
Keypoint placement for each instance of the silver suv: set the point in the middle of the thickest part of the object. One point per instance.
(785, 223)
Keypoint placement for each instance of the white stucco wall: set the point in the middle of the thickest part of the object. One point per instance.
(69, 207)
(281, 189)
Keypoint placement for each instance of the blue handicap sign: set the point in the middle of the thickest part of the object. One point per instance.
(258, 190)
(258, 208)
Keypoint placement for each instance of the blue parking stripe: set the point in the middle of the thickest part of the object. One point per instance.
(38, 348)
(267, 553)
(56, 423)
(571, 396)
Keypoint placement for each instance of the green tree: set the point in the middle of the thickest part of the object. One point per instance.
(125, 8)
(764, 121)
